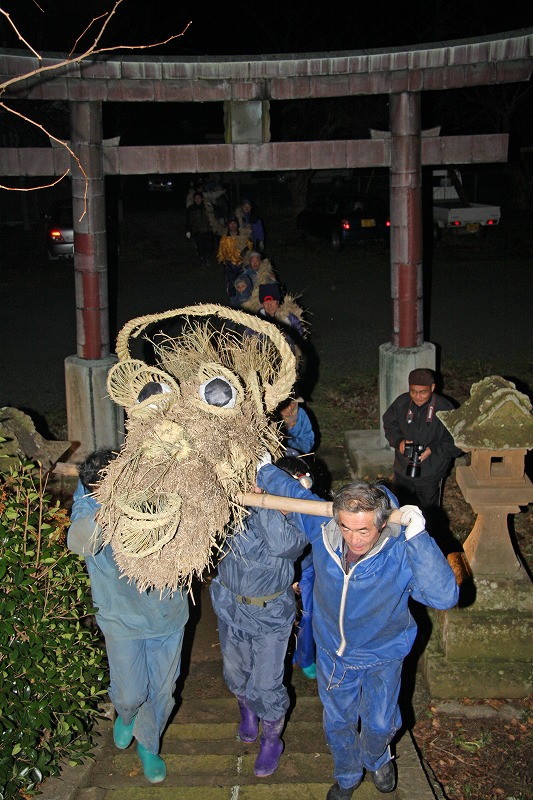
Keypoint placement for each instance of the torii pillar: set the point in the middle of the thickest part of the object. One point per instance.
(94, 421)
(369, 451)
(407, 349)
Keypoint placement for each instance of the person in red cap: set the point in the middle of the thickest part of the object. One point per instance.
(423, 448)
(271, 309)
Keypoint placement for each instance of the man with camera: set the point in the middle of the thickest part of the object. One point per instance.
(423, 448)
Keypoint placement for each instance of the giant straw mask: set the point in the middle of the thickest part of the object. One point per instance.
(197, 424)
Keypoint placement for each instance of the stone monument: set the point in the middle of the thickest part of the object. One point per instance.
(483, 648)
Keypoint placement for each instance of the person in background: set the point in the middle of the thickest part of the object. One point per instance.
(249, 219)
(297, 429)
(253, 598)
(143, 631)
(304, 574)
(252, 270)
(300, 440)
(424, 449)
(231, 252)
(367, 569)
(243, 291)
(198, 227)
(270, 299)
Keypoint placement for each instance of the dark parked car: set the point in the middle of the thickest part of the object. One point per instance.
(160, 183)
(343, 219)
(59, 231)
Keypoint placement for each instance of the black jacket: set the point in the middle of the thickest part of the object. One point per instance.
(430, 433)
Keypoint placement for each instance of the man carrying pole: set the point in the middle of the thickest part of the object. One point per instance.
(369, 560)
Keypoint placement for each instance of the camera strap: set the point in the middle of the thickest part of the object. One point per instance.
(430, 413)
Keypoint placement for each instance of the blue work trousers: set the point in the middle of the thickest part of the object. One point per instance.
(254, 667)
(304, 653)
(143, 675)
(350, 696)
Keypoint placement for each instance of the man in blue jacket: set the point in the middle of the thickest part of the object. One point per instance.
(143, 631)
(366, 569)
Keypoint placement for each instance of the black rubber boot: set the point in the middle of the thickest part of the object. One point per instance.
(336, 792)
(385, 777)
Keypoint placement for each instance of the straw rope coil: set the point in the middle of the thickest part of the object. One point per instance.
(274, 392)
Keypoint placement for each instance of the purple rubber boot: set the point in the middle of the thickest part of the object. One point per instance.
(270, 749)
(249, 726)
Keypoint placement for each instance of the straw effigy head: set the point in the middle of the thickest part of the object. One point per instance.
(198, 421)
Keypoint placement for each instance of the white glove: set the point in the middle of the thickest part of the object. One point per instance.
(266, 458)
(414, 521)
(188, 234)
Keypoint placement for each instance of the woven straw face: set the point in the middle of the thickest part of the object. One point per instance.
(167, 499)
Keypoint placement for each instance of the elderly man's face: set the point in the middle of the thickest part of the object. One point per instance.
(255, 262)
(358, 529)
(271, 306)
(420, 394)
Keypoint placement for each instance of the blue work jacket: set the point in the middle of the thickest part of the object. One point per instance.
(259, 562)
(363, 616)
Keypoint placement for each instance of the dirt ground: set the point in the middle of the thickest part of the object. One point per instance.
(478, 299)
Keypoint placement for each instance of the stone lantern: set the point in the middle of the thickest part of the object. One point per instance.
(496, 426)
(482, 648)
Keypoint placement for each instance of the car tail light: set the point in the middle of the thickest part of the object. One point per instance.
(387, 224)
(492, 222)
(57, 236)
(345, 224)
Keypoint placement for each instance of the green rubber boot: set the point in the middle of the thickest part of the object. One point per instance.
(154, 768)
(123, 734)
(310, 671)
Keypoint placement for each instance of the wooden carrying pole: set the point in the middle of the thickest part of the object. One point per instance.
(322, 508)
(316, 508)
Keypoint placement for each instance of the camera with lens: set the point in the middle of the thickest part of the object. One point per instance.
(413, 451)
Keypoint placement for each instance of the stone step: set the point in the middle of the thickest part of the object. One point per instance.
(224, 709)
(207, 760)
(263, 791)
(302, 736)
(214, 769)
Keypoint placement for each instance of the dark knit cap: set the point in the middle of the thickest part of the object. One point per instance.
(421, 377)
(271, 290)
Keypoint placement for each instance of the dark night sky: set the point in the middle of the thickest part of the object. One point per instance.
(276, 26)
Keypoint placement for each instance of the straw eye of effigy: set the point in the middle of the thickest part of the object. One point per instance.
(151, 389)
(219, 392)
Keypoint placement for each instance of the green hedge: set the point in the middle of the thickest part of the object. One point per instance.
(52, 667)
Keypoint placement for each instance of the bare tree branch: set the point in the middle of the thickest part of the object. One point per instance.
(93, 50)
(35, 188)
(19, 35)
(59, 141)
(91, 23)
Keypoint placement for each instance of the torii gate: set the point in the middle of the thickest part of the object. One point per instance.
(403, 74)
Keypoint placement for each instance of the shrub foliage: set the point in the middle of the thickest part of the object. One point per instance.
(51, 664)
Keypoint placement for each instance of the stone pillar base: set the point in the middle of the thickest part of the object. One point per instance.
(483, 650)
(368, 459)
(93, 419)
(395, 364)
